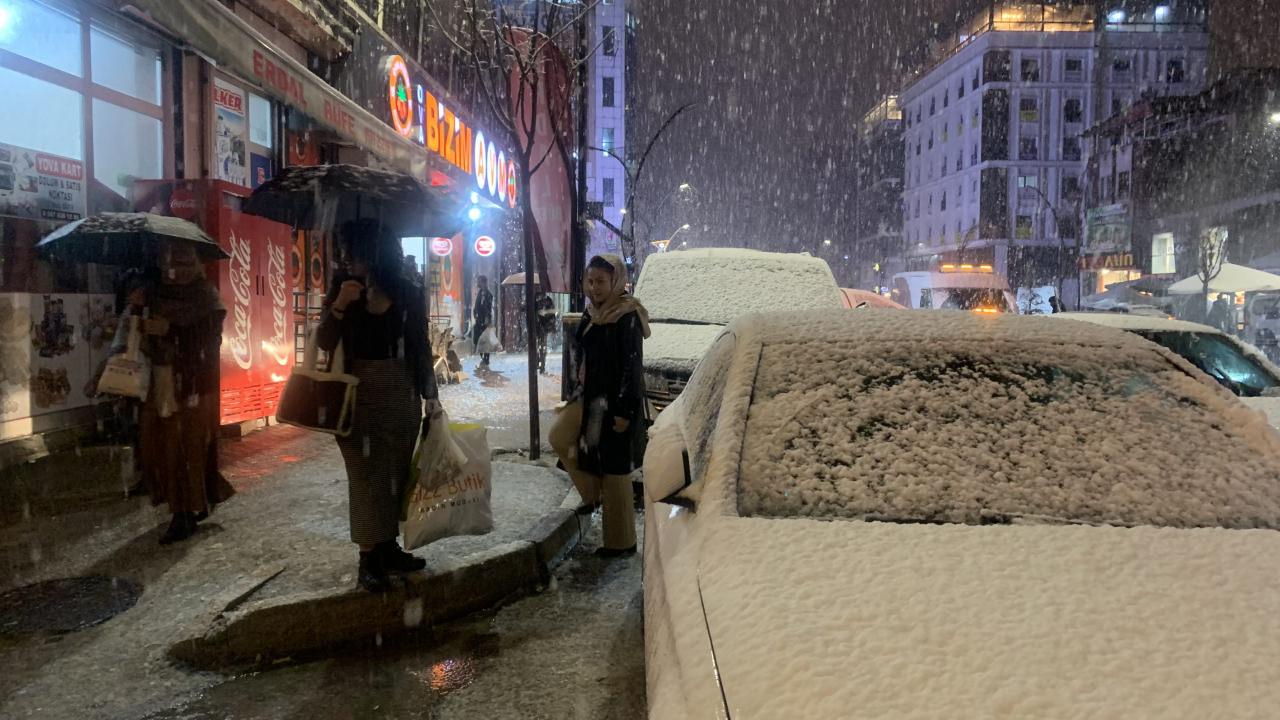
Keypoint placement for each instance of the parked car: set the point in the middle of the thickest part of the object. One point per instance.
(1237, 366)
(975, 288)
(957, 515)
(692, 294)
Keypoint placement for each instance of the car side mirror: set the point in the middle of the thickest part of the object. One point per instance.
(666, 464)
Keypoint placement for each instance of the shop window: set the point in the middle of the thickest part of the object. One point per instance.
(1122, 186)
(261, 121)
(1028, 149)
(1023, 228)
(59, 130)
(1073, 110)
(607, 190)
(1030, 70)
(1162, 254)
(1071, 148)
(124, 66)
(42, 33)
(606, 92)
(1028, 109)
(609, 43)
(126, 146)
(1175, 71)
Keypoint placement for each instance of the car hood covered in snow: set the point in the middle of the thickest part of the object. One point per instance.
(677, 348)
(822, 619)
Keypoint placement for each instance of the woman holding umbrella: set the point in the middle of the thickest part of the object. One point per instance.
(183, 331)
(379, 317)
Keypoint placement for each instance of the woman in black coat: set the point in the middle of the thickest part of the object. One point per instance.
(379, 317)
(612, 431)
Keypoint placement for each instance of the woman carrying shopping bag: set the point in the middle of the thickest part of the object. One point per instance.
(178, 438)
(379, 316)
(608, 416)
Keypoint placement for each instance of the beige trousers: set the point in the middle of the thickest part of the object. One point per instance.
(613, 492)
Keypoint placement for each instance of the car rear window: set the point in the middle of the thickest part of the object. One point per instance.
(997, 431)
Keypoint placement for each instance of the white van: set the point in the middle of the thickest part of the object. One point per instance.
(955, 287)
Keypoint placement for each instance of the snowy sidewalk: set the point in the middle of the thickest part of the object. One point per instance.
(499, 399)
(271, 574)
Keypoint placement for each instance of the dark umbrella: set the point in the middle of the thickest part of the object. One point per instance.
(131, 239)
(322, 197)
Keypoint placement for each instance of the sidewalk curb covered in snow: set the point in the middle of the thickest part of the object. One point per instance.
(279, 628)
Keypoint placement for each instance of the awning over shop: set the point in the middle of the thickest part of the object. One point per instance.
(1230, 279)
(216, 32)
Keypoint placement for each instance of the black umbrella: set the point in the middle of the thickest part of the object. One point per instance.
(323, 197)
(131, 239)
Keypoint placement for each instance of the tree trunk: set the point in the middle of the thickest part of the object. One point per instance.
(530, 312)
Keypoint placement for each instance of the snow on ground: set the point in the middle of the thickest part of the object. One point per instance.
(1009, 416)
(678, 348)
(875, 620)
(499, 398)
(719, 284)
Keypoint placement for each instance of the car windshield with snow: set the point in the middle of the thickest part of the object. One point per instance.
(969, 501)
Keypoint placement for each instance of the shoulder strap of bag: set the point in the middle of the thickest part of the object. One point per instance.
(310, 356)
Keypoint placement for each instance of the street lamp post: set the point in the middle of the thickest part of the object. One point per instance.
(662, 245)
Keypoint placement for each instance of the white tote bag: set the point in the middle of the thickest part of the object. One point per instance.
(450, 499)
(489, 342)
(129, 373)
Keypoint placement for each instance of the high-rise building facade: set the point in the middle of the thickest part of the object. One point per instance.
(606, 120)
(993, 127)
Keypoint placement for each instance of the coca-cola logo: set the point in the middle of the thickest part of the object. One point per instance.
(183, 203)
(239, 268)
(279, 302)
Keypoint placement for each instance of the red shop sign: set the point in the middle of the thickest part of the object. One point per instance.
(485, 246)
(441, 246)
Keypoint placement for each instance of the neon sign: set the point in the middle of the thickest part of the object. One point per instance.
(485, 246)
(417, 114)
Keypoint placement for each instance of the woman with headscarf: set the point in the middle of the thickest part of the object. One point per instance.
(179, 424)
(611, 433)
(379, 316)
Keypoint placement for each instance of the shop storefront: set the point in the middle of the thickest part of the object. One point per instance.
(1107, 256)
(86, 93)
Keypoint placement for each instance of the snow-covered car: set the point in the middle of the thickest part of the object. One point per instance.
(692, 294)
(947, 514)
(1239, 367)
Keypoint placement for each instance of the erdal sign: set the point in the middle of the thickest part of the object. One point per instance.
(418, 115)
(485, 246)
(441, 246)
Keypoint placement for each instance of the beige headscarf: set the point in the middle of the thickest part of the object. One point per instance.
(620, 302)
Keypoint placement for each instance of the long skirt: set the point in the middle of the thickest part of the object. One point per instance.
(379, 450)
(180, 456)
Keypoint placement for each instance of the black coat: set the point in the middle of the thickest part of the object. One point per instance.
(612, 387)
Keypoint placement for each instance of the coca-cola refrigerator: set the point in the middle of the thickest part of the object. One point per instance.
(256, 286)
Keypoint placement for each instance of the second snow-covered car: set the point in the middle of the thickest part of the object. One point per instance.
(1236, 366)
(692, 294)
(883, 514)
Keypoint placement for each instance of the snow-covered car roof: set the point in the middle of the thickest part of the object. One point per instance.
(716, 285)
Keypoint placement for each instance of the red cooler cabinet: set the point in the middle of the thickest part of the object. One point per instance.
(256, 286)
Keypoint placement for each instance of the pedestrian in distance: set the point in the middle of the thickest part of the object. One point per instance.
(182, 334)
(600, 435)
(546, 309)
(379, 316)
(1221, 315)
(481, 317)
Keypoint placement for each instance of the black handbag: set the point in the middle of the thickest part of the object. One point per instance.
(320, 400)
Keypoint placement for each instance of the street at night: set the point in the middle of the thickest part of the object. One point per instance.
(620, 359)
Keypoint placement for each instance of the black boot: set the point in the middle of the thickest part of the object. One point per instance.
(180, 528)
(372, 576)
(396, 560)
